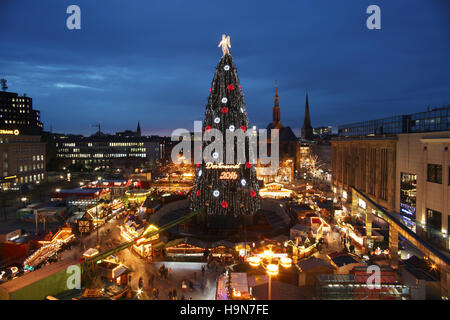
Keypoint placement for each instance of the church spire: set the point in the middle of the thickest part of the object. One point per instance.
(307, 131)
(276, 108)
(138, 130)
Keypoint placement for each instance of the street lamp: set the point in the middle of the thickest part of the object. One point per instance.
(24, 200)
(271, 268)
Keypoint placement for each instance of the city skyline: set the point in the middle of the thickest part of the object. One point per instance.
(124, 65)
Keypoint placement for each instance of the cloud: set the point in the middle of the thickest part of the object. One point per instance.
(74, 86)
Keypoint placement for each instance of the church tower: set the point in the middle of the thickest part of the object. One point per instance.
(276, 111)
(138, 130)
(307, 130)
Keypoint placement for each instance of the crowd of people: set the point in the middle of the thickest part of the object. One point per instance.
(182, 288)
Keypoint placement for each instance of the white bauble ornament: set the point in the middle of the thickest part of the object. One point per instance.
(215, 155)
(216, 120)
(231, 128)
(243, 182)
(224, 100)
(226, 68)
(216, 193)
(200, 173)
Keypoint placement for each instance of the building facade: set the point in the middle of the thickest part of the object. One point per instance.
(423, 180)
(406, 172)
(100, 149)
(22, 159)
(367, 164)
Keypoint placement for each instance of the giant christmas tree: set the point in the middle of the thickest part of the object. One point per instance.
(223, 189)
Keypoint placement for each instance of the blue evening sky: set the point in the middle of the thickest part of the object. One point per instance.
(153, 61)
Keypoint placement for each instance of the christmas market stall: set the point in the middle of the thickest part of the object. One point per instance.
(185, 247)
(275, 191)
(223, 249)
(134, 227)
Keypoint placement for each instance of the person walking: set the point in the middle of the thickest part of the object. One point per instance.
(174, 295)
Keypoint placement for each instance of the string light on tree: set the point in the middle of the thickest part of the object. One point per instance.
(236, 182)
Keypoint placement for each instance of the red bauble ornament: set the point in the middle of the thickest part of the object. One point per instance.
(224, 204)
(253, 193)
(207, 128)
(230, 87)
(198, 193)
(248, 165)
(198, 165)
(243, 128)
(224, 110)
(210, 89)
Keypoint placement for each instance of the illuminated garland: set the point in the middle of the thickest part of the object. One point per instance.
(224, 189)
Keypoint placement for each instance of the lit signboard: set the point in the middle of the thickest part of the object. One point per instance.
(10, 132)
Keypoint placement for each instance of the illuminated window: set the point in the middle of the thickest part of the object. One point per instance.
(434, 173)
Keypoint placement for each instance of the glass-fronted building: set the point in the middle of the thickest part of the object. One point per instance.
(434, 120)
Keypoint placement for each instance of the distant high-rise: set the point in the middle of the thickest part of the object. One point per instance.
(16, 113)
(307, 129)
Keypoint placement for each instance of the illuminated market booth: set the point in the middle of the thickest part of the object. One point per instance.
(135, 227)
(275, 191)
(48, 248)
(223, 249)
(113, 271)
(117, 187)
(94, 217)
(137, 196)
(185, 247)
(82, 197)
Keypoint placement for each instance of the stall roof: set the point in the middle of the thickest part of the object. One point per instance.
(314, 263)
(343, 259)
(222, 243)
(187, 240)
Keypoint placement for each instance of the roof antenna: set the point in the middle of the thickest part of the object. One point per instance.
(4, 86)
